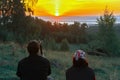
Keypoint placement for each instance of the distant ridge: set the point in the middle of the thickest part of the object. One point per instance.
(71, 19)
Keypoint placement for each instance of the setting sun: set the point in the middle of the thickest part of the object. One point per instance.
(56, 13)
(74, 7)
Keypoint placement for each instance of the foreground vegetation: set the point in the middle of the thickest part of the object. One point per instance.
(106, 68)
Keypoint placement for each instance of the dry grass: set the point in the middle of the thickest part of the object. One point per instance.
(106, 68)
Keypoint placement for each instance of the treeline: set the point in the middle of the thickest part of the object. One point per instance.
(51, 34)
(34, 28)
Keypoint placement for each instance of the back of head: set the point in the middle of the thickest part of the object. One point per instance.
(79, 59)
(33, 47)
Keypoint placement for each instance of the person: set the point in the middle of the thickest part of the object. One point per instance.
(80, 69)
(33, 67)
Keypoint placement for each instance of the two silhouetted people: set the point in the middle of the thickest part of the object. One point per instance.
(80, 69)
(33, 67)
(36, 67)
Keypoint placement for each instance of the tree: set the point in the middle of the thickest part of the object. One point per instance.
(64, 45)
(107, 36)
(75, 32)
(29, 6)
(83, 33)
(11, 10)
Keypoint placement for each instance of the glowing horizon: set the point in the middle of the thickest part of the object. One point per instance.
(75, 7)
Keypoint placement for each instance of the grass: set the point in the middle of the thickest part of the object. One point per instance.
(106, 68)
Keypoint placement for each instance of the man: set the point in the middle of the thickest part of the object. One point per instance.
(33, 67)
(80, 69)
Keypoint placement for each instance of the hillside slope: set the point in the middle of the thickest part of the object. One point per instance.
(106, 68)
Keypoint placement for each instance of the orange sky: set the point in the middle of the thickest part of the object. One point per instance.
(75, 7)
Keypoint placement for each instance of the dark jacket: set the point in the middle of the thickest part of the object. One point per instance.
(33, 68)
(82, 72)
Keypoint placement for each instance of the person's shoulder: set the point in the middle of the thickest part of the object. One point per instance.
(44, 59)
(90, 69)
(70, 69)
(23, 60)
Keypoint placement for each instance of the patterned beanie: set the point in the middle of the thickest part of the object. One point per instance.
(79, 54)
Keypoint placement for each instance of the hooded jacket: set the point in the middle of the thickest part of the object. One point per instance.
(80, 71)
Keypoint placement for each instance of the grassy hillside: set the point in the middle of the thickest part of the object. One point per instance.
(106, 68)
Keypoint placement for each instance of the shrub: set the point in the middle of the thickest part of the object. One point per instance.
(64, 45)
(50, 43)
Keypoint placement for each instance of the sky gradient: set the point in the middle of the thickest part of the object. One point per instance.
(75, 7)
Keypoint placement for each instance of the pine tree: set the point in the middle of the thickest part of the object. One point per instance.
(107, 35)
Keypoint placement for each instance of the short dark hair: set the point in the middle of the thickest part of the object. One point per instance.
(33, 47)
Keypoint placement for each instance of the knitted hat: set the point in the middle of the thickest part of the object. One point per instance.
(79, 54)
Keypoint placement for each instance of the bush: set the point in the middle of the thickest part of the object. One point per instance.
(64, 45)
(95, 44)
(84, 47)
(50, 43)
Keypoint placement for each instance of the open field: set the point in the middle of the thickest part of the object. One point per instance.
(106, 68)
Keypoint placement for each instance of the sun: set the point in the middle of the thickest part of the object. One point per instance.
(57, 13)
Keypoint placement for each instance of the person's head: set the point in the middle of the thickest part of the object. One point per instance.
(33, 47)
(79, 59)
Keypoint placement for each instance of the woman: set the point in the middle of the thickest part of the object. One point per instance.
(80, 69)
